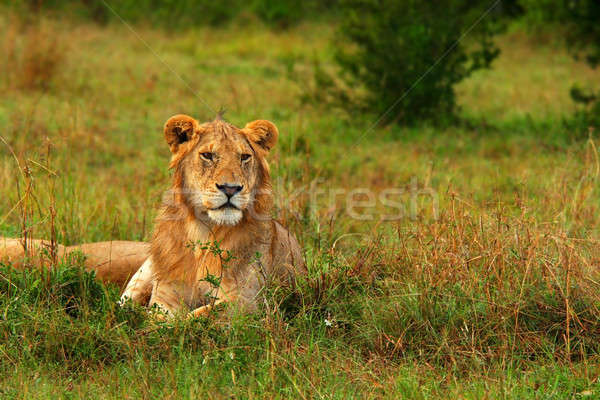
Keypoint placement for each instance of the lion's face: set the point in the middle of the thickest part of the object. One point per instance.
(221, 167)
(220, 173)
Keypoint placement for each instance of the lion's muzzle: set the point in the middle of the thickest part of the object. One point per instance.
(229, 189)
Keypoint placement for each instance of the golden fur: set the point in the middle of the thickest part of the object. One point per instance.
(114, 262)
(215, 221)
(220, 193)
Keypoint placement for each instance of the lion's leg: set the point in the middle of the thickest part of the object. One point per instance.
(139, 288)
(168, 297)
(228, 292)
(204, 310)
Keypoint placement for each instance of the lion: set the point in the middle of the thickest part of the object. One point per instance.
(214, 238)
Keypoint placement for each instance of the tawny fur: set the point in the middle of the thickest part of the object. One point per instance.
(189, 220)
(174, 267)
(114, 262)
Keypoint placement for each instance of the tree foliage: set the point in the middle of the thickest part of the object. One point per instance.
(580, 24)
(409, 55)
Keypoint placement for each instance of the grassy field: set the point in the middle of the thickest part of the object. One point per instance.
(485, 287)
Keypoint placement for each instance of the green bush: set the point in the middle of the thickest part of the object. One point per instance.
(180, 14)
(282, 14)
(583, 36)
(406, 57)
(171, 14)
(579, 23)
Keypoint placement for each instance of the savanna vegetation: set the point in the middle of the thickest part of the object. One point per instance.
(446, 260)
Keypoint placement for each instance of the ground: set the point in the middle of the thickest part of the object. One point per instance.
(484, 283)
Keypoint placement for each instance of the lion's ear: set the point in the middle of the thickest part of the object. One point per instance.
(179, 129)
(262, 132)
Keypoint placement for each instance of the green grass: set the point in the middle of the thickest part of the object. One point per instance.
(493, 295)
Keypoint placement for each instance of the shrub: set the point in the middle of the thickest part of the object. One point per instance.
(181, 14)
(579, 24)
(583, 36)
(283, 14)
(170, 14)
(407, 56)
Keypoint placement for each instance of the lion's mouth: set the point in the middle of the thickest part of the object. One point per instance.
(225, 214)
(226, 205)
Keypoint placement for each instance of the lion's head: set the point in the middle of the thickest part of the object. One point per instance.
(221, 170)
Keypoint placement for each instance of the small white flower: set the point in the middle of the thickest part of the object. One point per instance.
(328, 323)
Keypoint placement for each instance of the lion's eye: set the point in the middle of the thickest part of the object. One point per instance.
(207, 156)
(245, 157)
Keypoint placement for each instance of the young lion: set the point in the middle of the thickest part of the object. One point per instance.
(214, 235)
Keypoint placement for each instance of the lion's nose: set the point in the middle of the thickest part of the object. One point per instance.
(229, 189)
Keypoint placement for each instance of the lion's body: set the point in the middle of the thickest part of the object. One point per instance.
(214, 238)
(270, 253)
(193, 239)
(113, 262)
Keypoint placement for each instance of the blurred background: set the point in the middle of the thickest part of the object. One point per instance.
(374, 92)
